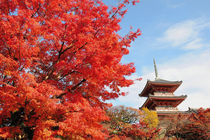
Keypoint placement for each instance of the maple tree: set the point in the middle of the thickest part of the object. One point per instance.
(59, 61)
(191, 127)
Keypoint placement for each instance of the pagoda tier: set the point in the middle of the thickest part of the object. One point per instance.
(163, 103)
(160, 86)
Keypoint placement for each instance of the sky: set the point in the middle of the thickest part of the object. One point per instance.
(177, 34)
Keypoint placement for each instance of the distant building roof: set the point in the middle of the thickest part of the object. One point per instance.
(192, 110)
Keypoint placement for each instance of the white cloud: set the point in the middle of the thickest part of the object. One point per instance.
(174, 4)
(193, 69)
(194, 44)
(180, 33)
(186, 34)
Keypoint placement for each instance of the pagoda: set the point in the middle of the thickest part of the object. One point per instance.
(160, 96)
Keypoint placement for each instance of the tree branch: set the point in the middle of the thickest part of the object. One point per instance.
(35, 11)
(63, 76)
(70, 90)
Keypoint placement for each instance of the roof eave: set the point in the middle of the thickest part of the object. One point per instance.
(175, 83)
(144, 90)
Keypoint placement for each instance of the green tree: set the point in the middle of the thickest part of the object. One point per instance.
(129, 122)
(121, 116)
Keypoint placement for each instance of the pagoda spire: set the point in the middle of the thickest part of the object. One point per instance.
(155, 67)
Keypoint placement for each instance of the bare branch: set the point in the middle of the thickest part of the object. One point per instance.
(70, 90)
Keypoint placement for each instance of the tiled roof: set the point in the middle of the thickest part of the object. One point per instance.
(160, 82)
(164, 81)
(182, 96)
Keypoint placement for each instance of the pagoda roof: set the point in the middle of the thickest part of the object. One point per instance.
(164, 81)
(152, 99)
(173, 85)
(167, 97)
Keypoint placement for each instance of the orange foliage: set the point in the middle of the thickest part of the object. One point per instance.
(57, 60)
(193, 127)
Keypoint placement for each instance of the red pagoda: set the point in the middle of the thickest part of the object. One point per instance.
(160, 96)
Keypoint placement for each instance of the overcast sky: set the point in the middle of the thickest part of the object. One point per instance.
(177, 34)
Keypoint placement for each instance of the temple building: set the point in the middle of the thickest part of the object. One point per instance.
(160, 96)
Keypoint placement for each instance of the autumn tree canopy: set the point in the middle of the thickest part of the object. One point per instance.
(192, 127)
(150, 118)
(121, 116)
(128, 122)
(59, 61)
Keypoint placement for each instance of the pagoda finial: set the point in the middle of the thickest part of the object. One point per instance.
(156, 72)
